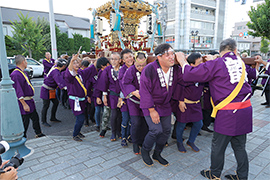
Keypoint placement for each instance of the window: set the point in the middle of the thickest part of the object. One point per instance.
(31, 62)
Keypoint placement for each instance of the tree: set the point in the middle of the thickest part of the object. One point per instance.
(78, 41)
(264, 46)
(260, 20)
(45, 26)
(62, 43)
(28, 35)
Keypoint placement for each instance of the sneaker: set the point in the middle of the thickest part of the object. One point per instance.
(136, 149)
(124, 142)
(193, 146)
(207, 174)
(81, 135)
(157, 157)
(55, 120)
(231, 177)
(146, 158)
(40, 135)
(181, 147)
(77, 138)
(129, 139)
(113, 138)
(46, 124)
(102, 133)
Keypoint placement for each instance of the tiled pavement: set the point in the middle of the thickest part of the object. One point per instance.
(59, 157)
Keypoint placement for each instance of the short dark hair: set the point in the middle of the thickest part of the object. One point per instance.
(193, 57)
(85, 63)
(102, 62)
(160, 49)
(227, 44)
(61, 62)
(213, 53)
(19, 59)
(125, 51)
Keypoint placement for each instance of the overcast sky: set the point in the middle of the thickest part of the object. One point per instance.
(236, 13)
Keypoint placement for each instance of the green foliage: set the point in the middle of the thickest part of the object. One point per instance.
(45, 26)
(28, 35)
(264, 46)
(87, 44)
(62, 43)
(71, 46)
(260, 20)
(78, 41)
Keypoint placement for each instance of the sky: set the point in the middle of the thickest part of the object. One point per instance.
(236, 11)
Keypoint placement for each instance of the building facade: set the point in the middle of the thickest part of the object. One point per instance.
(66, 23)
(246, 42)
(206, 17)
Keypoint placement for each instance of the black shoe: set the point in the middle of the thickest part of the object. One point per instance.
(265, 103)
(268, 106)
(81, 135)
(40, 135)
(46, 124)
(173, 136)
(102, 133)
(55, 120)
(136, 149)
(207, 174)
(204, 128)
(64, 106)
(232, 177)
(77, 138)
(146, 158)
(156, 156)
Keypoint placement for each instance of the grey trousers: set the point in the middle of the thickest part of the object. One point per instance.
(219, 145)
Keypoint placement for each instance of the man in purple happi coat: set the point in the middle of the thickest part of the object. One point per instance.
(75, 82)
(234, 118)
(48, 63)
(110, 81)
(157, 82)
(53, 80)
(25, 92)
(267, 87)
(131, 87)
(190, 106)
(128, 59)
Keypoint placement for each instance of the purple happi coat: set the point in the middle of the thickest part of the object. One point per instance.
(222, 81)
(98, 93)
(251, 73)
(266, 72)
(53, 80)
(75, 89)
(130, 83)
(122, 72)
(153, 90)
(107, 81)
(192, 92)
(23, 89)
(48, 64)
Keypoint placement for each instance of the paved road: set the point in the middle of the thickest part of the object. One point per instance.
(65, 128)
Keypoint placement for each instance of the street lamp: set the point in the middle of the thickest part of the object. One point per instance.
(194, 34)
(11, 120)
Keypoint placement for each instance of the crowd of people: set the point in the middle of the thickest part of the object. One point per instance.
(136, 100)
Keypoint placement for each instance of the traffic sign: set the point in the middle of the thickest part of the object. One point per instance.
(241, 34)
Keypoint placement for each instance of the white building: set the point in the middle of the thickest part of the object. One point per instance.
(205, 16)
(66, 23)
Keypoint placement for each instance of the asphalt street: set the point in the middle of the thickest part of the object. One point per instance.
(65, 128)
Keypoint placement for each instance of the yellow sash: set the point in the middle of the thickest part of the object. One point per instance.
(79, 81)
(233, 94)
(26, 78)
(48, 60)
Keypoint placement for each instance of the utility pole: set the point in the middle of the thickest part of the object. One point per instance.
(52, 27)
(163, 20)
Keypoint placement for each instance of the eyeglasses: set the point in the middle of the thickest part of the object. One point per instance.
(115, 59)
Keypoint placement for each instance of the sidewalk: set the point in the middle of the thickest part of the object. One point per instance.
(59, 157)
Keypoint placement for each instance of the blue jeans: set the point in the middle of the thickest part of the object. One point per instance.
(98, 110)
(125, 126)
(196, 127)
(78, 124)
